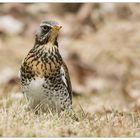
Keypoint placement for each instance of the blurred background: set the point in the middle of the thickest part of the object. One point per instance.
(100, 44)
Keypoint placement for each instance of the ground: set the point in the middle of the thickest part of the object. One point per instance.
(108, 122)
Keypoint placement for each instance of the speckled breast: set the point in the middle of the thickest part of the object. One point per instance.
(41, 78)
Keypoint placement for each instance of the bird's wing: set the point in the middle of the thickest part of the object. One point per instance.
(66, 78)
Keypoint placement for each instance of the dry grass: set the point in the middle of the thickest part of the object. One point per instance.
(16, 122)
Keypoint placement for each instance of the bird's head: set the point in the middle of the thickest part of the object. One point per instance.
(48, 32)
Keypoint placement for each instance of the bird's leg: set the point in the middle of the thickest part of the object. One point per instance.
(71, 113)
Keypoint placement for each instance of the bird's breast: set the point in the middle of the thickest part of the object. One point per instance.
(36, 86)
(43, 66)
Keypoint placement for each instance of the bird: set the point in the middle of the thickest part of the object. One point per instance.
(44, 76)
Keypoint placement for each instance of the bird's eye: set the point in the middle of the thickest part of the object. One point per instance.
(45, 28)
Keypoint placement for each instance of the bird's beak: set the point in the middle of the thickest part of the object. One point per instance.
(57, 27)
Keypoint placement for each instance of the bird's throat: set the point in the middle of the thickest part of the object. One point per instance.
(49, 47)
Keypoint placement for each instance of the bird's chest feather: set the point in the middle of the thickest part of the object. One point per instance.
(41, 63)
(35, 88)
(37, 92)
(40, 74)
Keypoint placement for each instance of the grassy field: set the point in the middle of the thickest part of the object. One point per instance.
(103, 121)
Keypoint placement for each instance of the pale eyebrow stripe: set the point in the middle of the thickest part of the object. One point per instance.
(45, 24)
